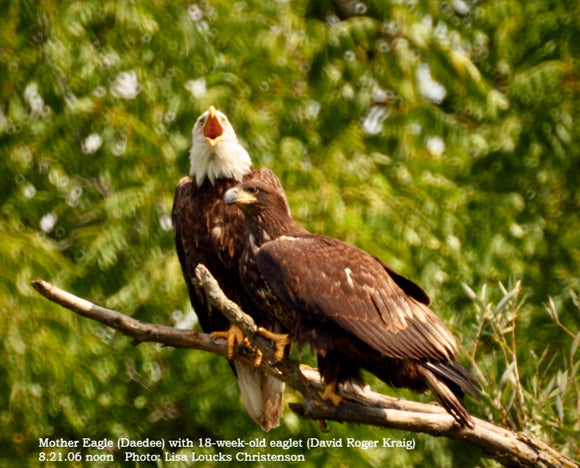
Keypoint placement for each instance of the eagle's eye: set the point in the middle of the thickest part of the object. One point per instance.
(253, 190)
(224, 120)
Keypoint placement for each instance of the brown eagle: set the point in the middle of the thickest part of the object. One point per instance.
(209, 232)
(354, 310)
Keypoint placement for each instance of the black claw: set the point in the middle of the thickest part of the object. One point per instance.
(323, 426)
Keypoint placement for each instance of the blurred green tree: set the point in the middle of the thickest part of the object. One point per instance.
(440, 136)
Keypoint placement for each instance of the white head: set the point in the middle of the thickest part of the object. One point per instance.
(216, 152)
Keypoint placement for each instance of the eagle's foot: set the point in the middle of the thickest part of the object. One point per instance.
(280, 341)
(330, 394)
(233, 335)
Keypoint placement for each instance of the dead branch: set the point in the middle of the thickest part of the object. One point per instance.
(360, 406)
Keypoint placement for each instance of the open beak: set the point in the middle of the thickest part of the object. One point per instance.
(213, 129)
(238, 196)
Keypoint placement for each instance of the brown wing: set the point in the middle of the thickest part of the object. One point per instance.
(410, 288)
(321, 277)
(199, 218)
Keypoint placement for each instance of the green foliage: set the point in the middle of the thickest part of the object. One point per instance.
(534, 393)
(442, 139)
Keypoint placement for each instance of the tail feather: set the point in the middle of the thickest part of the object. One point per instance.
(262, 394)
(447, 384)
(456, 375)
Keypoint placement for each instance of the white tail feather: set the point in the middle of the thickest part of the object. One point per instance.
(262, 394)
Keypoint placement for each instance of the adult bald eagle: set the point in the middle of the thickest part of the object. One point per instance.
(209, 232)
(353, 309)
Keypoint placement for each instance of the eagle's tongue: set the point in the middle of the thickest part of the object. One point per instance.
(213, 128)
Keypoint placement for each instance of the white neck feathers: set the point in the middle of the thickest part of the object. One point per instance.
(225, 160)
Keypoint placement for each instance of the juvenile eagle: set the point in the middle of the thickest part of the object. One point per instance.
(353, 309)
(209, 232)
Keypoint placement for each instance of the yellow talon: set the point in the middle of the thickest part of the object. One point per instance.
(330, 394)
(258, 358)
(280, 341)
(233, 335)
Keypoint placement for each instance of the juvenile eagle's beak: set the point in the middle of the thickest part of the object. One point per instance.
(238, 196)
(213, 129)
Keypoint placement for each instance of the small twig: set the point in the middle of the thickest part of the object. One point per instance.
(553, 313)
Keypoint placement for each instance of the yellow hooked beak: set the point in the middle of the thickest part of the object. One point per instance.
(239, 196)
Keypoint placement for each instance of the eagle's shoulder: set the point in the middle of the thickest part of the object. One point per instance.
(184, 182)
(183, 192)
(182, 186)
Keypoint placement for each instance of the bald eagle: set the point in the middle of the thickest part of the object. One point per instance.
(209, 232)
(354, 310)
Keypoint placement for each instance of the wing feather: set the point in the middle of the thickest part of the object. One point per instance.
(318, 275)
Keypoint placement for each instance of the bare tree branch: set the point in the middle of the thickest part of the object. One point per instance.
(360, 406)
(136, 329)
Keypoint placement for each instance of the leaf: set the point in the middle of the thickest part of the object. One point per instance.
(470, 292)
(575, 344)
(508, 297)
(507, 375)
(559, 408)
